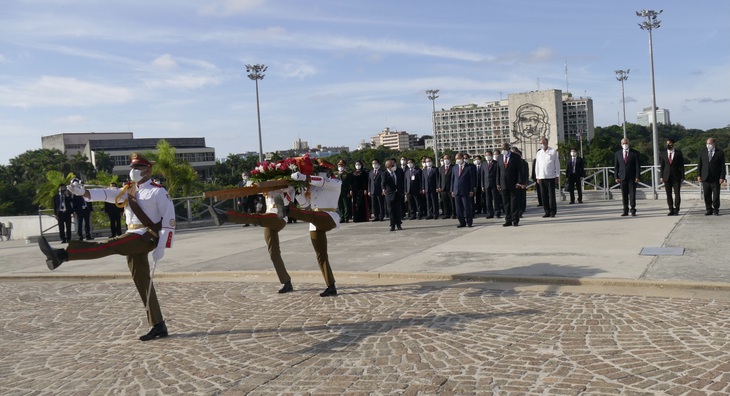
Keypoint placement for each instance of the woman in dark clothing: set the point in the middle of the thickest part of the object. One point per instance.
(360, 209)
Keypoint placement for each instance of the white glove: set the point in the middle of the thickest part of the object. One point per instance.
(158, 252)
(298, 176)
(76, 188)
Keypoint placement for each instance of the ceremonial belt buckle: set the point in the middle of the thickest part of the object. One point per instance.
(325, 209)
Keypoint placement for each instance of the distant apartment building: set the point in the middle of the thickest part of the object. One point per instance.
(520, 120)
(645, 117)
(395, 140)
(118, 146)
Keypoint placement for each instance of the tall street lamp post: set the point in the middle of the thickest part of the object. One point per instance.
(256, 73)
(432, 95)
(623, 75)
(650, 24)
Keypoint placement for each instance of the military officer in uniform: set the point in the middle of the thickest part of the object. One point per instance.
(273, 221)
(150, 217)
(322, 216)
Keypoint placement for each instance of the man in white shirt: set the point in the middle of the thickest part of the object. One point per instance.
(547, 173)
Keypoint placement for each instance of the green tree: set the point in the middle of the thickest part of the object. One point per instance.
(180, 177)
(104, 162)
(46, 191)
(81, 166)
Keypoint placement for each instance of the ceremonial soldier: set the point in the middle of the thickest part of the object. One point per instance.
(323, 194)
(150, 217)
(273, 221)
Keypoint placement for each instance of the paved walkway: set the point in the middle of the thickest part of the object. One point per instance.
(555, 306)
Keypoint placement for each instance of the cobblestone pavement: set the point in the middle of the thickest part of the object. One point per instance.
(67, 337)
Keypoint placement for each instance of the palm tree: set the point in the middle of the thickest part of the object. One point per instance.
(180, 177)
(104, 162)
(46, 191)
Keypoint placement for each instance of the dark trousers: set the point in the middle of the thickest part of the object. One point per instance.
(395, 209)
(573, 184)
(414, 205)
(447, 203)
(271, 224)
(479, 201)
(670, 187)
(711, 193)
(493, 200)
(511, 202)
(547, 190)
(421, 199)
(64, 226)
(83, 224)
(344, 206)
(377, 205)
(432, 204)
(539, 195)
(115, 225)
(628, 195)
(136, 249)
(464, 209)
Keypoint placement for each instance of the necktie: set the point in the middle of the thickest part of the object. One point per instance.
(626, 157)
(573, 164)
(671, 154)
(62, 207)
(461, 167)
(506, 161)
(712, 152)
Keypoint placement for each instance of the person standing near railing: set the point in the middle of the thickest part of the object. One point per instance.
(671, 169)
(711, 171)
(627, 169)
(63, 209)
(575, 172)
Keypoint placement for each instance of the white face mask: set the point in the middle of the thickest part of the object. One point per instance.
(429, 164)
(573, 154)
(459, 161)
(423, 164)
(358, 166)
(376, 166)
(447, 162)
(341, 168)
(135, 175)
(411, 165)
(478, 162)
(710, 146)
(488, 158)
(403, 162)
(625, 146)
(393, 168)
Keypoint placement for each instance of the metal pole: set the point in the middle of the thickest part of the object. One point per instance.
(651, 24)
(432, 95)
(623, 75)
(258, 116)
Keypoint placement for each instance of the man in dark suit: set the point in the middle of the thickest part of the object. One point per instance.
(392, 186)
(627, 169)
(538, 190)
(413, 189)
(671, 166)
(492, 199)
(711, 171)
(115, 215)
(344, 204)
(463, 184)
(375, 190)
(512, 180)
(445, 188)
(82, 210)
(575, 172)
(430, 186)
(63, 209)
(479, 201)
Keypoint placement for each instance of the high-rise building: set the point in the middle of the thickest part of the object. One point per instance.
(396, 140)
(644, 118)
(521, 120)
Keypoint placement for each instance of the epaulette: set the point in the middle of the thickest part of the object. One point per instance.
(157, 185)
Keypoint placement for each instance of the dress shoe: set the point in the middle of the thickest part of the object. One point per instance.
(429, 217)
(453, 217)
(708, 213)
(671, 213)
(218, 218)
(469, 225)
(63, 241)
(624, 214)
(286, 288)
(89, 238)
(490, 216)
(499, 215)
(507, 225)
(546, 215)
(329, 291)
(515, 224)
(460, 226)
(158, 330)
(552, 214)
(398, 226)
(633, 213)
(580, 201)
(392, 228)
(571, 202)
(54, 257)
(717, 213)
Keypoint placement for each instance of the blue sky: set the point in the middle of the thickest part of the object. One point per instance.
(339, 71)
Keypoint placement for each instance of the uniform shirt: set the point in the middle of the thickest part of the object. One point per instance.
(324, 193)
(547, 164)
(154, 201)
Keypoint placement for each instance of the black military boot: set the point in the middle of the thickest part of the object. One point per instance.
(54, 257)
(218, 218)
(286, 288)
(158, 330)
(329, 291)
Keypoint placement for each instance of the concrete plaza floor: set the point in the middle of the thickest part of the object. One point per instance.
(563, 305)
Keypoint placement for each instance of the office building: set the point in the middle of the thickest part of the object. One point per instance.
(645, 117)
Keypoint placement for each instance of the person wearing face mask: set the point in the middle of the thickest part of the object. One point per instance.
(344, 205)
(359, 191)
(479, 201)
(627, 168)
(150, 217)
(511, 178)
(492, 199)
(671, 171)
(82, 211)
(575, 172)
(547, 172)
(62, 210)
(429, 189)
(463, 184)
(393, 191)
(115, 215)
(412, 188)
(246, 204)
(711, 172)
(447, 201)
(375, 191)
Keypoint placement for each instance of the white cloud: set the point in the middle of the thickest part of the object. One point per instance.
(297, 70)
(183, 81)
(230, 7)
(70, 120)
(165, 62)
(62, 91)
